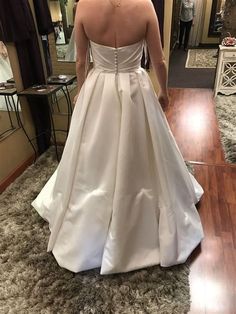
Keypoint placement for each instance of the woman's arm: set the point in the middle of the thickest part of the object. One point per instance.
(153, 40)
(82, 42)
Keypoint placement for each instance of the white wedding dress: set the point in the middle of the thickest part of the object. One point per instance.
(5, 74)
(122, 197)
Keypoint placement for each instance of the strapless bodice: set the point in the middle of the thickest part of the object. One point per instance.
(122, 59)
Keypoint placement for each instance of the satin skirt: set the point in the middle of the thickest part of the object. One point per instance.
(121, 198)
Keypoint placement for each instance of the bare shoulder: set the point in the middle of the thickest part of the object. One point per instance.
(138, 3)
(83, 7)
(147, 7)
(144, 8)
(83, 4)
(146, 4)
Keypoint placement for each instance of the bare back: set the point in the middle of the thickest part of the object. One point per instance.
(114, 26)
(102, 22)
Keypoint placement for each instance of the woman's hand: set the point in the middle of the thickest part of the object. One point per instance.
(164, 100)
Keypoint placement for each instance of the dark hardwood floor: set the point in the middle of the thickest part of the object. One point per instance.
(213, 264)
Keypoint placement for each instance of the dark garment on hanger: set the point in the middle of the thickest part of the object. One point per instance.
(43, 17)
(32, 74)
(20, 29)
(45, 27)
(18, 26)
(16, 20)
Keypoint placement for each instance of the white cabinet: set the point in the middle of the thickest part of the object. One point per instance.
(225, 80)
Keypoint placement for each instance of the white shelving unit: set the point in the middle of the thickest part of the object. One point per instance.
(225, 80)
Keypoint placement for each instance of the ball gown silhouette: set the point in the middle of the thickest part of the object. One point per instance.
(122, 197)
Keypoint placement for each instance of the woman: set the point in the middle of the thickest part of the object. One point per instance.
(187, 13)
(122, 197)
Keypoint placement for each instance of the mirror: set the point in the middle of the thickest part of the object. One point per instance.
(217, 17)
(9, 106)
(63, 14)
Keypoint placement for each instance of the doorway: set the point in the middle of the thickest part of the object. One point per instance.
(194, 68)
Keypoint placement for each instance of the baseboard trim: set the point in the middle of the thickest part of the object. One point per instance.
(16, 173)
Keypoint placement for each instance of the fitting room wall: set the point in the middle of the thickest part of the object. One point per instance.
(167, 28)
(15, 149)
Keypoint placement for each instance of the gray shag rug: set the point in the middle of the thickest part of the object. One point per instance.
(226, 114)
(32, 282)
